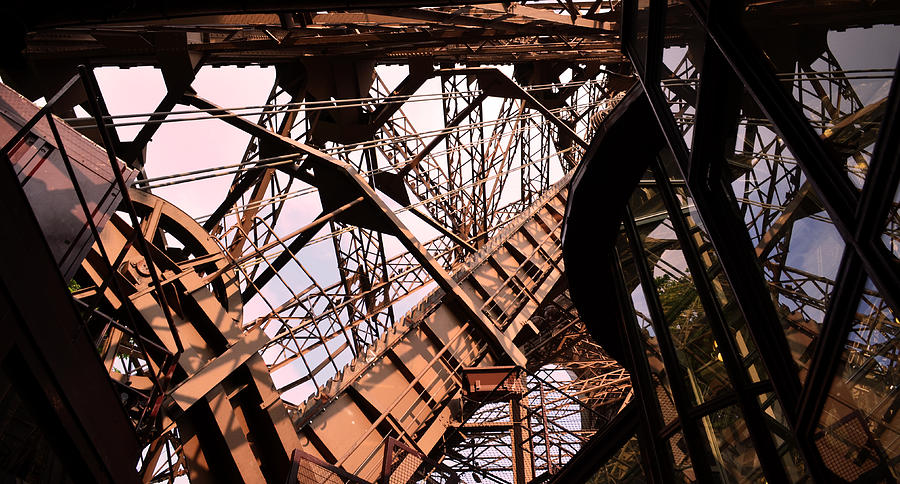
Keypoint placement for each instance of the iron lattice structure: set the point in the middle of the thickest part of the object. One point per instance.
(518, 90)
(403, 205)
(571, 390)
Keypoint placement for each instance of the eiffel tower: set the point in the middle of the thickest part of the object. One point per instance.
(600, 241)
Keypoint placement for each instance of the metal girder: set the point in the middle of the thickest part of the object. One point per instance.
(412, 373)
(503, 33)
(301, 238)
(213, 395)
(326, 171)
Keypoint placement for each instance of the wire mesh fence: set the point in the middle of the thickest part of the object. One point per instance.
(307, 469)
(405, 465)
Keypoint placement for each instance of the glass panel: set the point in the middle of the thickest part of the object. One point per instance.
(733, 453)
(859, 432)
(664, 396)
(697, 351)
(844, 89)
(891, 235)
(837, 66)
(783, 437)
(798, 247)
(623, 466)
(682, 62)
(684, 470)
(702, 369)
(642, 23)
(689, 329)
(724, 295)
(648, 336)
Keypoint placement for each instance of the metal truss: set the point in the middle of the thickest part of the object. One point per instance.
(322, 145)
(480, 33)
(572, 389)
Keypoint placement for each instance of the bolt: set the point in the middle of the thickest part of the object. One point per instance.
(142, 268)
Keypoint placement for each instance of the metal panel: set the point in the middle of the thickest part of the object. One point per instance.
(42, 173)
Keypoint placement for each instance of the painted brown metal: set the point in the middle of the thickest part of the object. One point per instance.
(422, 358)
(406, 384)
(195, 365)
(495, 381)
(222, 388)
(331, 54)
